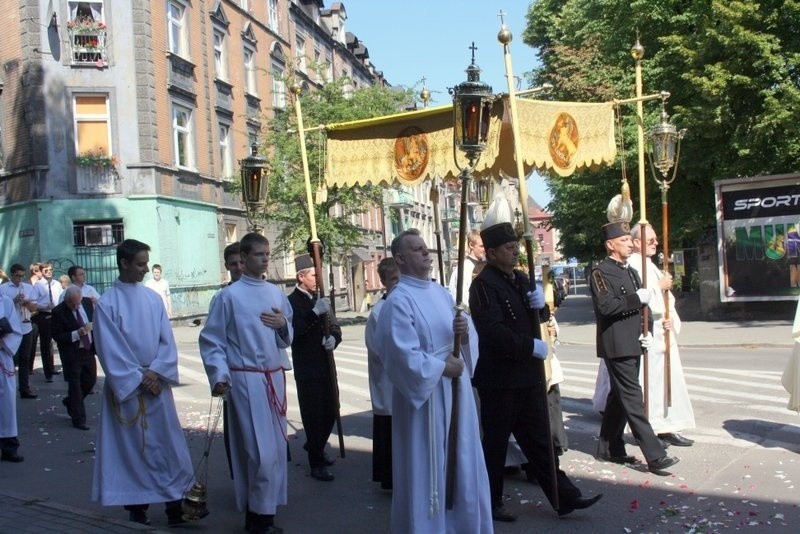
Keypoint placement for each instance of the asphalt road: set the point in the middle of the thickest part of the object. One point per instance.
(741, 473)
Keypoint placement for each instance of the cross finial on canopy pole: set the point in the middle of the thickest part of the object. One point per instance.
(502, 14)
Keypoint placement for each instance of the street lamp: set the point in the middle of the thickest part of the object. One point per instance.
(254, 186)
(472, 108)
(664, 141)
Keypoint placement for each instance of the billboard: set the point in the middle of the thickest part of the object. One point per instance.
(758, 232)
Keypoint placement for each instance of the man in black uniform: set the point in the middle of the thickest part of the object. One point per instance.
(312, 369)
(509, 374)
(618, 300)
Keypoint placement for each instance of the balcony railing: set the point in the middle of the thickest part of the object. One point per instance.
(88, 47)
(96, 179)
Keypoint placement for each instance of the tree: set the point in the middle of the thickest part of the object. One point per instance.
(733, 69)
(287, 204)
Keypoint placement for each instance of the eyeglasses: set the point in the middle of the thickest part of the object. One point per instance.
(47, 270)
(652, 241)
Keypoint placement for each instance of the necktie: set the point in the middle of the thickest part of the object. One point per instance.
(85, 342)
(50, 290)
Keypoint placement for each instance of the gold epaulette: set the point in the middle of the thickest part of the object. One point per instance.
(599, 281)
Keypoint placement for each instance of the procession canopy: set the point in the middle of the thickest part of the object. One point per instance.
(408, 148)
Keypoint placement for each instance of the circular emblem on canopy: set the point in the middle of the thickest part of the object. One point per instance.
(411, 153)
(563, 140)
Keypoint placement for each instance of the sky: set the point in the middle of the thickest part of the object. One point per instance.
(414, 38)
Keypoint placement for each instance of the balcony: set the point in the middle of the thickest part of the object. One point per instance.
(88, 44)
(96, 179)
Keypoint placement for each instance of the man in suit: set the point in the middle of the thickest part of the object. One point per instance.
(72, 330)
(509, 376)
(312, 369)
(618, 300)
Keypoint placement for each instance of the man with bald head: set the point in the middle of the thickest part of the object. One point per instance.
(419, 330)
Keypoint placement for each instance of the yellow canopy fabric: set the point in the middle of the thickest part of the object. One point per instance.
(411, 147)
(563, 136)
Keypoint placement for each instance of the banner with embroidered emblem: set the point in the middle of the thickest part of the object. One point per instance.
(563, 136)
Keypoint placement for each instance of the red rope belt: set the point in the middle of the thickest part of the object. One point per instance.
(5, 371)
(272, 395)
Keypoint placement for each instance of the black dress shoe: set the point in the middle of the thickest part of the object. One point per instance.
(622, 459)
(657, 466)
(676, 439)
(27, 394)
(578, 504)
(329, 461)
(139, 516)
(12, 457)
(501, 513)
(81, 426)
(322, 473)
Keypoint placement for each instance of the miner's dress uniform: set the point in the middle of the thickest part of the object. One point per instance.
(619, 323)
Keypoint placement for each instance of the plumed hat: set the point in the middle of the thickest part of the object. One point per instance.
(301, 263)
(496, 229)
(614, 230)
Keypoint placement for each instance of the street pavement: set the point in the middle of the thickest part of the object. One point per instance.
(740, 474)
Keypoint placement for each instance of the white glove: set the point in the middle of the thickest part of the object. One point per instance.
(644, 295)
(540, 349)
(322, 306)
(646, 341)
(329, 342)
(536, 299)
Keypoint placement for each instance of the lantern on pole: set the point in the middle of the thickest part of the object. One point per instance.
(254, 186)
(472, 107)
(664, 142)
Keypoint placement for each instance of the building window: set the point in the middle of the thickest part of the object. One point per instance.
(225, 159)
(92, 131)
(278, 87)
(182, 136)
(220, 55)
(300, 52)
(272, 13)
(250, 85)
(87, 33)
(97, 233)
(328, 66)
(231, 233)
(177, 24)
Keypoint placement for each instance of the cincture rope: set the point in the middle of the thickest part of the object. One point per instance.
(141, 413)
(433, 508)
(6, 372)
(278, 406)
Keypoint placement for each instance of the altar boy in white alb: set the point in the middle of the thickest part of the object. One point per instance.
(142, 455)
(418, 327)
(243, 347)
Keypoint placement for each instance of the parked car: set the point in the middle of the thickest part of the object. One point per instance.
(560, 291)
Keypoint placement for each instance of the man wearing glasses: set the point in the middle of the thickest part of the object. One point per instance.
(46, 293)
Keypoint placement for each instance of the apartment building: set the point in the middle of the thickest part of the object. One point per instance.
(127, 119)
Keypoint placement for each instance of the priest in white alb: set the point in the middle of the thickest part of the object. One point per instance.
(418, 326)
(142, 456)
(243, 346)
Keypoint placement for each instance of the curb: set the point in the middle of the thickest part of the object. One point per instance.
(42, 508)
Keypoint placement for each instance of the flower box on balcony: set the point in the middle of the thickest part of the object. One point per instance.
(85, 25)
(95, 158)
